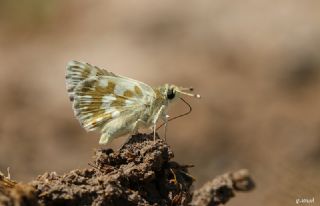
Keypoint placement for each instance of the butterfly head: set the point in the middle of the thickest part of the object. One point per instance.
(173, 91)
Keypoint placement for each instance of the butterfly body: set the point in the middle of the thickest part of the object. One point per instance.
(113, 104)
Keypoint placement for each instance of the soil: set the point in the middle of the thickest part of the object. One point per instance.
(139, 173)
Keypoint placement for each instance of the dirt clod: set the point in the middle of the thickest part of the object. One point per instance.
(16, 194)
(221, 189)
(140, 173)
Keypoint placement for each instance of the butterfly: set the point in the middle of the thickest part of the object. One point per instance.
(116, 105)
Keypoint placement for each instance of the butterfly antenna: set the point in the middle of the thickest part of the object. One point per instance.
(187, 90)
(181, 115)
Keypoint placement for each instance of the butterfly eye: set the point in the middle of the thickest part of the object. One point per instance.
(171, 94)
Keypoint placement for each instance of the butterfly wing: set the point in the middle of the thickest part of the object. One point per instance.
(79, 71)
(98, 99)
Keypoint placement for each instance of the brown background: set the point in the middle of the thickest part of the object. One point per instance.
(255, 63)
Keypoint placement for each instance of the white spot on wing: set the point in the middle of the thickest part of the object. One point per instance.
(93, 72)
(71, 64)
(121, 87)
(87, 96)
(106, 101)
(99, 119)
(115, 114)
(128, 102)
(103, 82)
(119, 90)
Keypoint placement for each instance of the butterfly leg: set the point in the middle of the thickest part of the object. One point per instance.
(165, 130)
(156, 117)
(165, 119)
(154, 132)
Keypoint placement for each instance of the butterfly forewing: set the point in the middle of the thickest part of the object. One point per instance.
(79, 71)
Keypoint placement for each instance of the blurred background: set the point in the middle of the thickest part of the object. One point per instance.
(255, 63)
